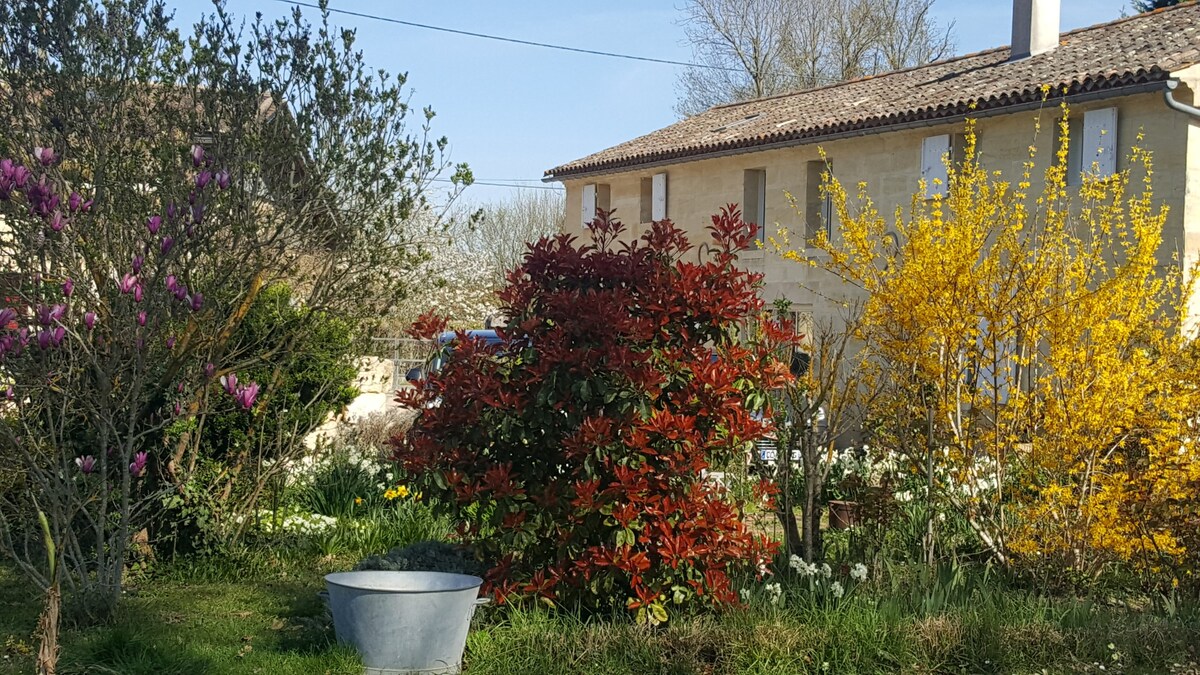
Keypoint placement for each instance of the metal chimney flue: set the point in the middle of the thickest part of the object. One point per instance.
(1034, 27)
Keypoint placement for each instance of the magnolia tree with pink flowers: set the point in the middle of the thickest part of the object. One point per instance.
(98, 361)
(157, 189)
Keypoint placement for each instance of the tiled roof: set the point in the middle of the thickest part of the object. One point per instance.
(1110, 58)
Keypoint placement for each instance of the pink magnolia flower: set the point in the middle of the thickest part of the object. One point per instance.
(141, 318)
(197, 301)
(12, 177)
(89, 320)
(9, 393)
(172, 211)
(137, 293)
(51, 338)
(138, 466)
(197, 155)
(41, 198)
(8, 316)
(181, 292)
(167, 243)
(171, 345)
(230, 383)
(57, 222)
(197, 213)
(223, 180)
(209, 370)
(128, 283)
(246, 396)
(203, 179)
(138, 261)
(86, 464)
(74, 202)
(153, 224)
(45, 155)
(68, 287)
(172, 282)
(48, 316)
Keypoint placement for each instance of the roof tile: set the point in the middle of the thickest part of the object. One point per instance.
(1127, 52)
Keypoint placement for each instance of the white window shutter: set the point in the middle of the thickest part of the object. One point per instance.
(659, 197)
(1100, 142)
(934, 151)
(588, 209)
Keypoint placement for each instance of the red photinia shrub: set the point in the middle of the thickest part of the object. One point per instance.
(571, 454)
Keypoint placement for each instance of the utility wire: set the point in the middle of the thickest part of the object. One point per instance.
(507, 185)
(529, 43)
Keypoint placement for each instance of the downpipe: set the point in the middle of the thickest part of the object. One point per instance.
(1173, 104)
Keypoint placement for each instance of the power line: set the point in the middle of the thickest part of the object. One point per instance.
(529, 43)
(507, 185)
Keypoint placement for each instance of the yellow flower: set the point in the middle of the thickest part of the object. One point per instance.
(358, 500)
(393, 493)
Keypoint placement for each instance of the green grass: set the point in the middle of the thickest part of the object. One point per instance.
(195, 619)
(259, 613)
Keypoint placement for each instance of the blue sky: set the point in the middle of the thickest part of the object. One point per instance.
(513, 111)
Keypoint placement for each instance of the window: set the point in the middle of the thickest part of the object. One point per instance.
(938, 153)
(754, 200)
(935, 153)
(818, 206)
(654, 198)
(596, 196)
(647, 199)
(1098, 153)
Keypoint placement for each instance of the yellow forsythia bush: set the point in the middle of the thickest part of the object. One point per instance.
(1044, 332)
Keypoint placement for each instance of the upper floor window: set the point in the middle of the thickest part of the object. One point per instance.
(596, 197)
(818, 205)
(754, 200)
(654, 198)
(1098, 152)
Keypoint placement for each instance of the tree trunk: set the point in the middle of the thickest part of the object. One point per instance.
(785, 509)
(793, 541)
(47, 656)
(812, 512)
(813, 543)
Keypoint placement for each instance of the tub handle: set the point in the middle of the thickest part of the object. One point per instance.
(482, 602)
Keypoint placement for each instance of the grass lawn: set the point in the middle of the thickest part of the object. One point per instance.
(264, 617)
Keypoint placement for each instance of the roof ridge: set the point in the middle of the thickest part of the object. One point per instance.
(951, 59)
(1119, 57)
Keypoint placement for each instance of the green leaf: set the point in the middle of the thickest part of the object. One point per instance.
(658, 613)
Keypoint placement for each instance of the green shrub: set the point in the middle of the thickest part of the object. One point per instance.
(309, 375)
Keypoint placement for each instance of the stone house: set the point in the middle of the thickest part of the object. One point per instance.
(1135, 74)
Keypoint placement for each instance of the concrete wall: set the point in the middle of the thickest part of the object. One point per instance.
(890, 164)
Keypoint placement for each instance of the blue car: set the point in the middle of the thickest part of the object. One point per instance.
(444, 344)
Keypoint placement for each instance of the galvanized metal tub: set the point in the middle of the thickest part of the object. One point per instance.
(404, 623)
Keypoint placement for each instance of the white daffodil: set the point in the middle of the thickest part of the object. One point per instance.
(858, 572)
